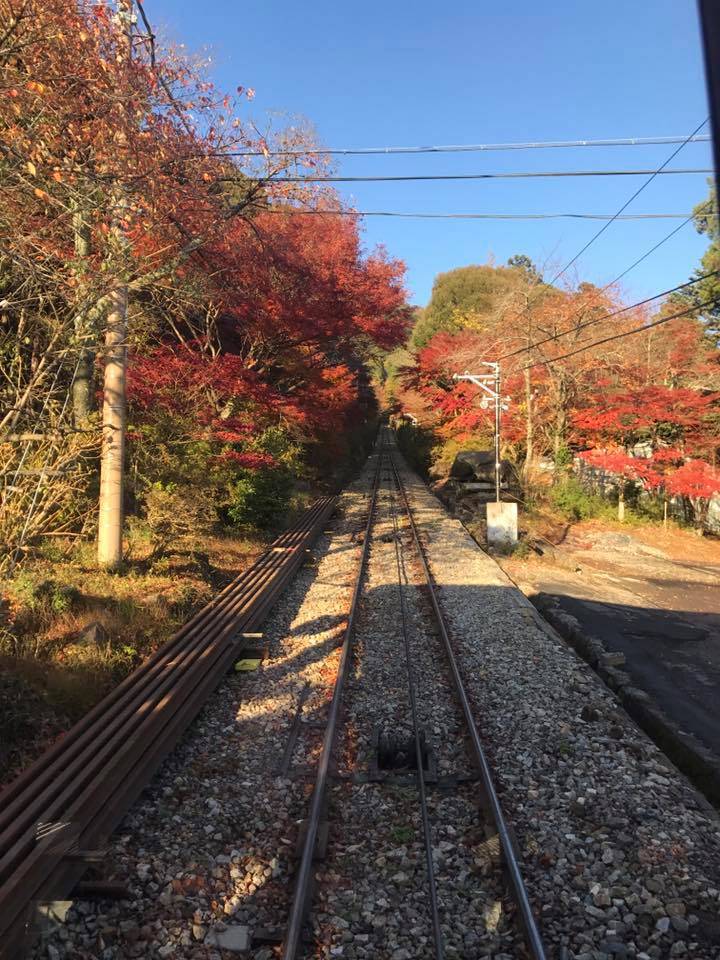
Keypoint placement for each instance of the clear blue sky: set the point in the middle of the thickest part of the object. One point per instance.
(409, 73)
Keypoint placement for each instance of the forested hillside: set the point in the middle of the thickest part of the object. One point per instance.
(184, 346)
(633, 389)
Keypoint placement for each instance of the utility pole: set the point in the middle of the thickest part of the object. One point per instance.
(114, 415)
(501, 518)
(489, 383)
(710, 27)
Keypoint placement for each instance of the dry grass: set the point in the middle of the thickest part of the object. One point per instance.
(69, 632)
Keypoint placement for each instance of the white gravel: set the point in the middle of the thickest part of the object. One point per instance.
(373, 898)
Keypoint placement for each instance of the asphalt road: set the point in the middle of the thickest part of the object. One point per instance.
(663, 615)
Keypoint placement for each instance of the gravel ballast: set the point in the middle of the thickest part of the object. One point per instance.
(621, 857)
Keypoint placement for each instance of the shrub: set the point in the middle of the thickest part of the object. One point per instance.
(572, 500)
(563, 457)
(416, 444)
(259, 497)
(173, 513)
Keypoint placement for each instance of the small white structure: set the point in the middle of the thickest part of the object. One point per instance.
(502, 524)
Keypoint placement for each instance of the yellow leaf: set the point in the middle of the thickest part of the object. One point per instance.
(32, 169)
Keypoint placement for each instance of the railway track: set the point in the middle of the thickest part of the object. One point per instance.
(418, 773)
(394, 759)
(57, 814)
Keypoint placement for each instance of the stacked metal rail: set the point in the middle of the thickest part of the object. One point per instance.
(72, 797)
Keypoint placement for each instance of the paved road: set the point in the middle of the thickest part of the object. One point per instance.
(663, 615)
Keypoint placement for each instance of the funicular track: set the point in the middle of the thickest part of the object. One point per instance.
(387, 472)
(57, 814)
(61, 809)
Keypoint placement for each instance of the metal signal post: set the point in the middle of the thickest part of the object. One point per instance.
(489, 383)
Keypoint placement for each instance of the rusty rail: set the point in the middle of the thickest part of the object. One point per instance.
(74, 795)
(304, 876)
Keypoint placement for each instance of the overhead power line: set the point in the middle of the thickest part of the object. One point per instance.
(607, 316)
(647, 253)
(486, 176)
(627, 333)
(470, 147)
(474, 216)
(630, 200)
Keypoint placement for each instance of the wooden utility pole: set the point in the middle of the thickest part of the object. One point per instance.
(114, 415)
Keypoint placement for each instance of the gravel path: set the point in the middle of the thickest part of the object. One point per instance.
(209, 846)
(621, 857)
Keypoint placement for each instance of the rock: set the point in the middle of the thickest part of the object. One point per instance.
(595, 912)
(613, 949)
(235, 939)
(93, 635)
(601, 898)
(612, 658)
(663, 925)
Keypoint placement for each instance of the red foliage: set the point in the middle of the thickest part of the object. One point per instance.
(626, 415)
(296, 305)
(694, 479)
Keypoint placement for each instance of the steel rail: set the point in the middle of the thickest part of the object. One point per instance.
(529, 924)
(88, 728)
(301, 893)
(427, 834)
(174, 685)
(75, 764)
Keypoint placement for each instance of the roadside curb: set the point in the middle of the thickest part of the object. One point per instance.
(690, 756)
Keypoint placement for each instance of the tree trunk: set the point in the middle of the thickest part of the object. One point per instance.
(621, 501)
(529, 425)
(560, 425)
(112, 462)
(82, 387)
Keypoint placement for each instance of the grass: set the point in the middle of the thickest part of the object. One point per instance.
(403, 834)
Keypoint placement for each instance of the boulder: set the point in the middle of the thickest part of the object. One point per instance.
(472, 465)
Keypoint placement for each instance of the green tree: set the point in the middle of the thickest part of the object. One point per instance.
(479, 292)
(521, 261)
(706, 222)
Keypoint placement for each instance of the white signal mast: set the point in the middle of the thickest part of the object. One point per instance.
(489, 383)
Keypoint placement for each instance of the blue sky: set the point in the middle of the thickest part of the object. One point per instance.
(408, 73)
